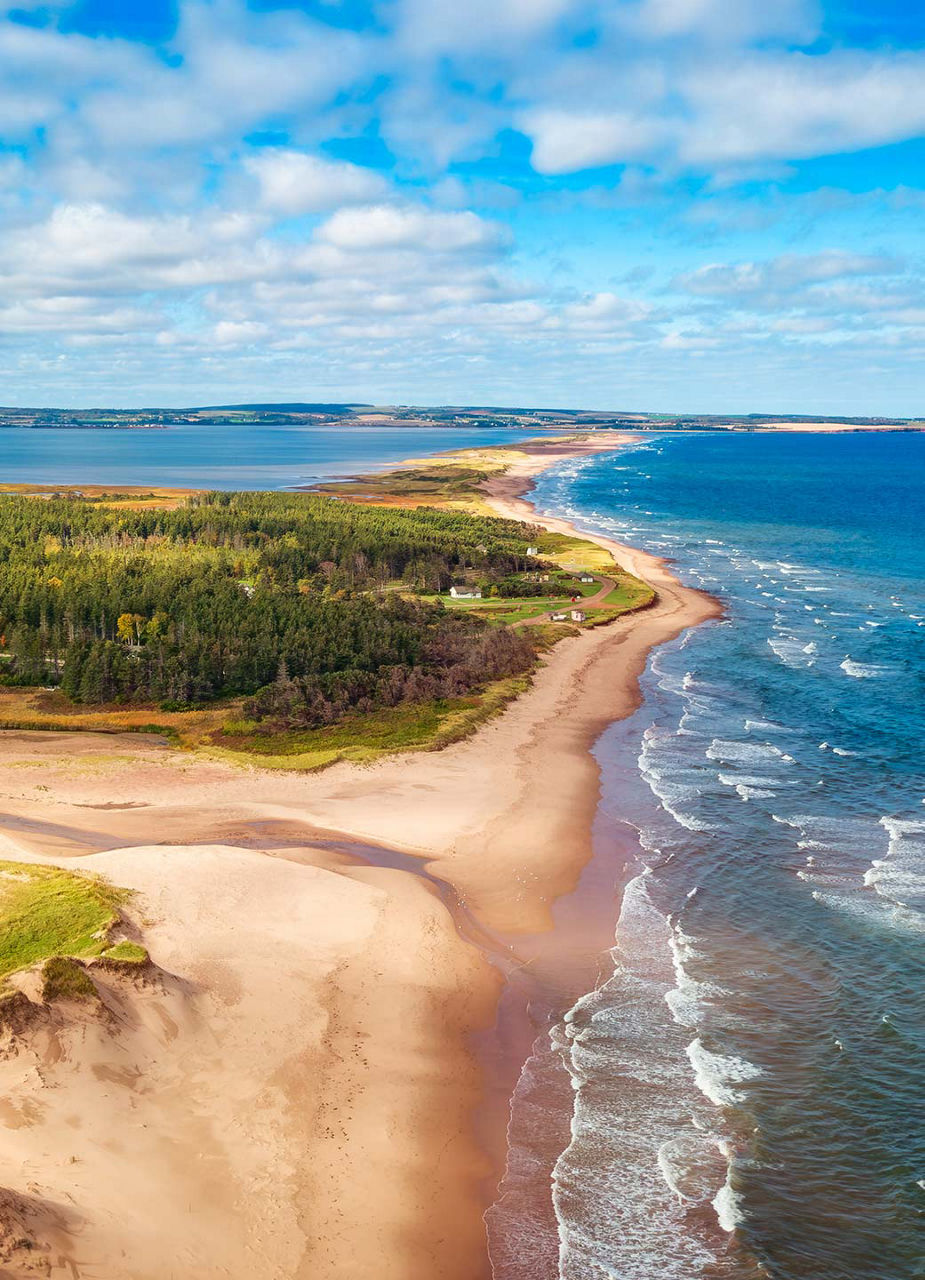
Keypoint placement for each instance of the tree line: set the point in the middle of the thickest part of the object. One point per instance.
(306, 604)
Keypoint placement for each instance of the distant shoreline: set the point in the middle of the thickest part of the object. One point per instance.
(347, 416)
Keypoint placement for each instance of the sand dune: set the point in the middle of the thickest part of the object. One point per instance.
(238, 1115)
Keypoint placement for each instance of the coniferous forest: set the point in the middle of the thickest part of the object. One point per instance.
(308, 606)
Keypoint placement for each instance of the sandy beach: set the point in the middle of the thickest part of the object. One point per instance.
(300, 1091)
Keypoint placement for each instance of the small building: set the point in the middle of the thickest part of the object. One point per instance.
(557, 617)
(586, 577)
(465, 593)
(578, 615)
(533, 551)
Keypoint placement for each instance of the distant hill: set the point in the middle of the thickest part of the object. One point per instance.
(274, 407)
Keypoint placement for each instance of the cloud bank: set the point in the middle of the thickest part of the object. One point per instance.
(614, 203)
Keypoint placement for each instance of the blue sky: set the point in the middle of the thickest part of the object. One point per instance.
(701, 205)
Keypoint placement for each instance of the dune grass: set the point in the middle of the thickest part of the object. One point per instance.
(48, 710)
(628, 595)
(127, 953)
(66, 979)
(46, 912)
(413, 726)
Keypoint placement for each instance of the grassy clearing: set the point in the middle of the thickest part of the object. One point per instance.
(427, 726)
(505, 613)
(46, 912)
(577, 555)
(451, 482)
(628, 594)
(50, 710)
(443, 483)
(130, 497)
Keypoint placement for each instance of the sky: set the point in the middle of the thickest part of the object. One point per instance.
(672, 205)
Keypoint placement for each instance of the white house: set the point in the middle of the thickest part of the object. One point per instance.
(578, 615)
(586, 577)
(533, 551)
(465, 593)
(558, 617)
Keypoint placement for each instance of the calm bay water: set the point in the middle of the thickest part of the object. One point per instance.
(748, 1085)
(220, 457)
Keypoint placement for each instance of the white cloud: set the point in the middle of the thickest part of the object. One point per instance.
(794, 106)
(785, 273)
(387, 227)
(233, 333)
(448, 26)
(292, 182)
(727, 21)
(564, 142)
(606, 312)
(715, 111)
(146, 218)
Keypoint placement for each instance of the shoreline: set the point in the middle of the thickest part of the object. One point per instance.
(399, 1182)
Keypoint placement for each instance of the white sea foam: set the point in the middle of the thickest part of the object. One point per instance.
(873, 911)
(615, 1040)
(863, 670)
(791, 651)
(718, 1076)
(689, 997)
(899, 877)
(755, 793)
(693, 1165)
(728, 1205)
(751, 780)
(746, 752)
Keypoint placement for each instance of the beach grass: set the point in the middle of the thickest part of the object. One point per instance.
(66, 979)
(223, 730)
(577, 555)
(127, 953)
(47, 912)
(628, 595)
(413, 726)
(50, 710)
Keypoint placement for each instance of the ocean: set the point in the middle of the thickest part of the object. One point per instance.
(748, 1079)
(203, 456)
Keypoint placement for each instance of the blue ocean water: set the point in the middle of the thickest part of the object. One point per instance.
(220, 457)
(749, 1083)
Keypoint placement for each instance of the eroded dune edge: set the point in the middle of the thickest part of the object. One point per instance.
(291, 1088)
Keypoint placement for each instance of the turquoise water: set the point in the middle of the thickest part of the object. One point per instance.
(219, 457)
(749, 1082)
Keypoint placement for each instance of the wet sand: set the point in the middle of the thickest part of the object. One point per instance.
(336, 1085)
